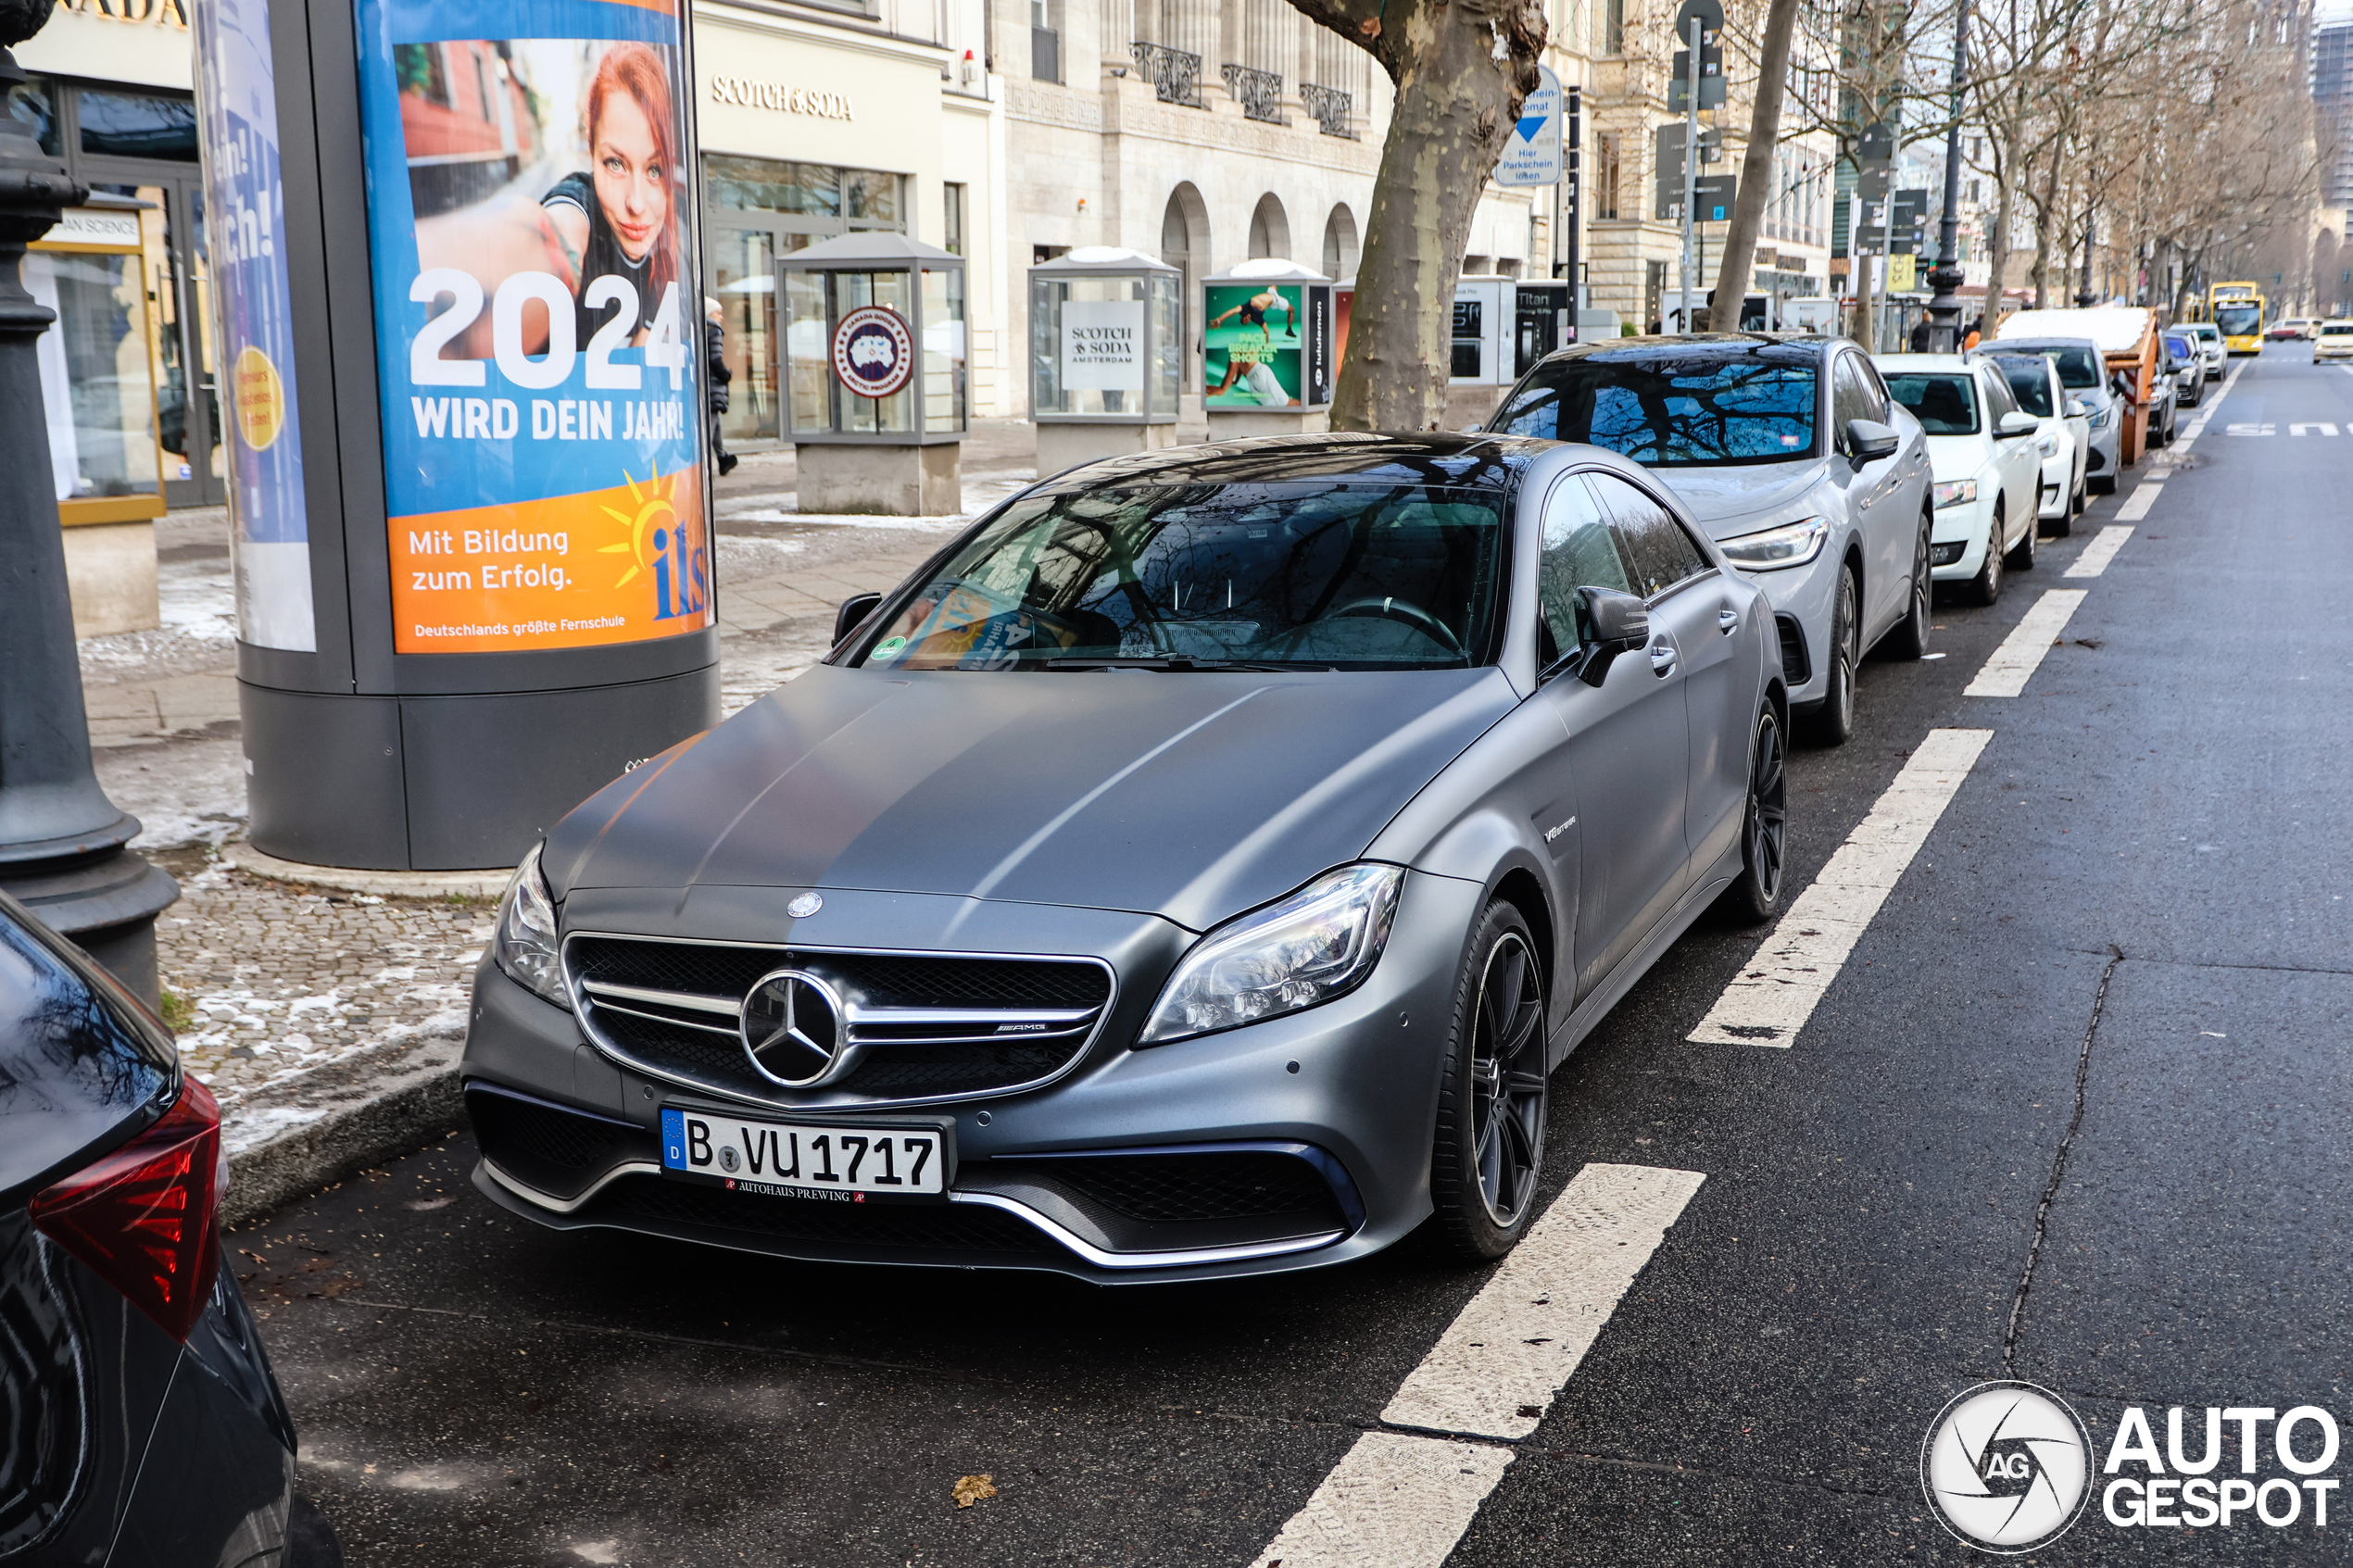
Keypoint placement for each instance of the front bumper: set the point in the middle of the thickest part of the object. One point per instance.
(1957, 537)
(1312, 1131)
(1803, 599)
(2058, 483)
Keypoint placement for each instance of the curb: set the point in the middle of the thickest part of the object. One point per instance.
(398, 884)
(402, 1106)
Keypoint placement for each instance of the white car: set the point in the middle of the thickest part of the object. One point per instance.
(1986, 457)
(2064, 437)
(2207, 339)
(2334, 342)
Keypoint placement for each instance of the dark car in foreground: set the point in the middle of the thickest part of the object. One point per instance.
(1197, 869)
(143, 1425)
(1791, 455)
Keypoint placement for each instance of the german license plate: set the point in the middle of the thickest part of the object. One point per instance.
(830, 1162)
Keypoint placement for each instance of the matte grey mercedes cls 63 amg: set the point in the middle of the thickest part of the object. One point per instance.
(1196, 868)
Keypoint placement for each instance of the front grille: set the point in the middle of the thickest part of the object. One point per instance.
(917, 1026)
(881, 1227)
(1796, 669)
(1164, 1188)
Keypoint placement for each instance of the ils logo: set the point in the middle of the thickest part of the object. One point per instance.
(659, 541)
(2006, 1467)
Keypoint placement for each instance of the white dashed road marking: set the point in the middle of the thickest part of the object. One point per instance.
(1400, 1500)
(2095, 556)
(2137, 505)
(2006, 672)
(1770, 1001)
(2323, 426)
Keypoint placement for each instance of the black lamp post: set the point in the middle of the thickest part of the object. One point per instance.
(1944, 307)
(62, 842)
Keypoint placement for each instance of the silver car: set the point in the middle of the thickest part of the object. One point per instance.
(1197, 869)
(2084, 374)
(1794, 458)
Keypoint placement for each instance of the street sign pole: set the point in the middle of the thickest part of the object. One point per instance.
(1691, 166)
(1944, 309)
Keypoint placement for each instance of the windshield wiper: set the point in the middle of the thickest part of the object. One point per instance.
(1175, 661)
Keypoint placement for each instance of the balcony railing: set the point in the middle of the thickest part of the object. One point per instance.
(1334, 110)
(1260, 93)
(1174, 74)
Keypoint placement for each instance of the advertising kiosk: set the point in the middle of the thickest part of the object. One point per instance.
(875, 393)
(460, 358)
(1268, 360)
(1106, 329)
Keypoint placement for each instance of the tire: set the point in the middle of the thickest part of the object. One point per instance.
(2021, 555)
(1755, 897)
(2065, 523)
(1486, 1168)
(1832, 722)
(2101, 485)
(1908, 637)
(1986, 586)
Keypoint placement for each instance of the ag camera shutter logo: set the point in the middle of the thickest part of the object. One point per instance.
(2006, 1467)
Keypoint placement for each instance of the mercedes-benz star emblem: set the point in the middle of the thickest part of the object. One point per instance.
(791, 1028)
(806, 905)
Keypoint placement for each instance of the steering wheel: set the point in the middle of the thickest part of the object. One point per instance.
(1412, 615)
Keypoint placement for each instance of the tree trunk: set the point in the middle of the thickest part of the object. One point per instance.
(1757, 165)
(2044, 212)
(1462, 69)
(1997, 263)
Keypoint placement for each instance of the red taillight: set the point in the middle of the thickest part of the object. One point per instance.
(146, 1217)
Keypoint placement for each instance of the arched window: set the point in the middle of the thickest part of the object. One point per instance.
(1340, 243)
(1269, 229)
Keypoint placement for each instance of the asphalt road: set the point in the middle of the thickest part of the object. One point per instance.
(2075, 1111)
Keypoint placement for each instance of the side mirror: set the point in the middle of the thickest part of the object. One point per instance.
(854, 609)
(1869, 441)
(2077, 409)
(1614, 623)
(2014, 425)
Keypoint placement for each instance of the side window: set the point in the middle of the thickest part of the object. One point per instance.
(1874, 389)
(1850, 398)
(1660, 552)
(1578, 552)
(1998, 400)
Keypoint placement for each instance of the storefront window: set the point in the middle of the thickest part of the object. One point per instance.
(759, 184)
(871, 199)
(33, 106)
(743, 275)
(138, 125)
(97, 385)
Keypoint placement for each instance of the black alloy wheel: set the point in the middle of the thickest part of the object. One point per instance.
(1986, 586)
(1908, 637)
(1755, 897)
(1832, 721)
(1490, 1156)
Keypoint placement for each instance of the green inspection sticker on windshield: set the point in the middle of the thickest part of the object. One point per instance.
(888, 647)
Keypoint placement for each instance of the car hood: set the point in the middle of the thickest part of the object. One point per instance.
(1189, 795)
(1734, 500)
(1960, 456)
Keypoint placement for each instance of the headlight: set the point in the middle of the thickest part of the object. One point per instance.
(1318, 944)
(1793, 543)
(2101, 416)
(1957, 493)
(525, 943)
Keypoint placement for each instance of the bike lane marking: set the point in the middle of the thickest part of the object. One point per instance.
(2006, 671)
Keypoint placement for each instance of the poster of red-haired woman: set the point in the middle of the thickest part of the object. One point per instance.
(535, 323)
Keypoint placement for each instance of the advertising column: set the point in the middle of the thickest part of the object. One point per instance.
(458, 269)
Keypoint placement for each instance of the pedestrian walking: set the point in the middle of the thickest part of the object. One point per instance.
(1920, 335)
(715, 346)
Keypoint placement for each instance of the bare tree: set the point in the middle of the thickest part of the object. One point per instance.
(1757, 163)
(1462, 69)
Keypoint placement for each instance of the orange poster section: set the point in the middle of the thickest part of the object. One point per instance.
(605, 566)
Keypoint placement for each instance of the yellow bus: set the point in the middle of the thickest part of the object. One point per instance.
(2236, 310)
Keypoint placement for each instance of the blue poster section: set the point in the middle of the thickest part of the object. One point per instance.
(464, 430)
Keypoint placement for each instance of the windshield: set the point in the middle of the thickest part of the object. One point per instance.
(2029, 383)
(1666, 408)
(2238, 321)
(1316, 575)
(2180, 348)
(1944, 405)
(2337, 328)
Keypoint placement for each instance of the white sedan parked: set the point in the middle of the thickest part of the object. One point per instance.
(1987, 461)
(2064, 436)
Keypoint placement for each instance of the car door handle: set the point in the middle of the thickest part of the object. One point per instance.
(1728, 621)
(1662, 659)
